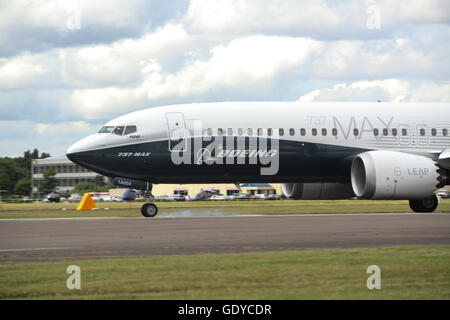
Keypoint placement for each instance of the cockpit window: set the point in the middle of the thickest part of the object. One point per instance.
(130, 129)
(118, 130)
(106, 129)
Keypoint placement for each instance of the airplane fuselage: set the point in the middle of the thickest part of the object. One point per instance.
(259, 141)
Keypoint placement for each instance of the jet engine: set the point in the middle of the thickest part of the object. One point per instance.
(392, 175)
(317, 191)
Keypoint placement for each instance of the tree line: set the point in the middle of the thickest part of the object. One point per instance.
(15, 173)
(15, 177)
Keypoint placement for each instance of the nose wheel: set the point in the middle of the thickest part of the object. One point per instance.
(149, 210)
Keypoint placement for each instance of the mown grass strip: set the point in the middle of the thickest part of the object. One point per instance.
(408, 272)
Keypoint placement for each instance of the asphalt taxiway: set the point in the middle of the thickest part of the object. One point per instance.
(34, 240)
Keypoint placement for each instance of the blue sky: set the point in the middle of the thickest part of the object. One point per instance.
(67, 67)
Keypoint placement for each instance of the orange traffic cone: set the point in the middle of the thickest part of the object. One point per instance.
(87, 203)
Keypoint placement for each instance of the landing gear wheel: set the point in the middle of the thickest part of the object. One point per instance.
(149, 210)
(425, 205)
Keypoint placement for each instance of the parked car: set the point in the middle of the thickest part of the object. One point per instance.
(218, 197)
(260, 196)
(176, 197)
(244, 196)
(274, 197)
(444, 194)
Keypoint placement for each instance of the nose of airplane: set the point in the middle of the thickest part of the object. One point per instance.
(74, 151)
(78, 149)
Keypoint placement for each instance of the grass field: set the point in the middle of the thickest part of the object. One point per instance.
(419, 272)
(121, 209)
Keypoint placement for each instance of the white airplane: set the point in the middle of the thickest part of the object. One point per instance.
(316, 150)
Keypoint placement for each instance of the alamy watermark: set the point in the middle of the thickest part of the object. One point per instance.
(73, 21)
(74, 280)
(373, 11)
(249, 146)
(374, 281)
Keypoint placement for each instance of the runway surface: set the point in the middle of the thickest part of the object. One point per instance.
(31, 240)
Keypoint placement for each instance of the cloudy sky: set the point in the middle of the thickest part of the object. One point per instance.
(67, 67)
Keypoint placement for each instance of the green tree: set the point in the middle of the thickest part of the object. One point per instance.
(7, 175)
(84, 187)
(23, 186)
(48, 183)
(99, 181)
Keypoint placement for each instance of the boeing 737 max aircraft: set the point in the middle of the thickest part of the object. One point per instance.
(316, 150)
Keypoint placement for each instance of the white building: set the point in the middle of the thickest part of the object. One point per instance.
(68, 174)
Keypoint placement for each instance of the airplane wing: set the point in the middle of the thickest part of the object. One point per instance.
(444, 159)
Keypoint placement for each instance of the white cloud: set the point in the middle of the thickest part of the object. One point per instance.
(18, 136)
(251, 61)
(385, 90)
(36, 25)
(321, 19)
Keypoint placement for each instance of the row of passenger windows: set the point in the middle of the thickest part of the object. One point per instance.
(119, 130)
(323, 132)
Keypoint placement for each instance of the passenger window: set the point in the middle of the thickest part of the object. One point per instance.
(324, 131)
(444, 132)
(334, 132)
(433, 132)
(230, 131)
(281, 131)
(219, 132)
(355, 132)
(376, 132)
(303, 131)
(291, 131)
(240, 131)
(314, 132)
(130, 130)
(250, 131)
(422, 132)
(269, 132)
(118, 130)
(394, 132)
(385, 132)
(209, 132)
(259, 132)
(107, 129)
(404, 132)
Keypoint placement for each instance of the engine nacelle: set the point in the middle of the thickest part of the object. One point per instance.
(317, 191)
(392, 175)
(132, 184)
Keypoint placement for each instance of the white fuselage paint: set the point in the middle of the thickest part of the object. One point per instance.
(353, 122)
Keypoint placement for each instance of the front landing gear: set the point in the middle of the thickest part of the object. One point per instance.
(149, 210)
(425, 205)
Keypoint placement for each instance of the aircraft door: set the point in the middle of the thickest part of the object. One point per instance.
(177, 131)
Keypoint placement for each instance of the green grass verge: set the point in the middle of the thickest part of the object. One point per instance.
(55, 210)
(416, 272)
